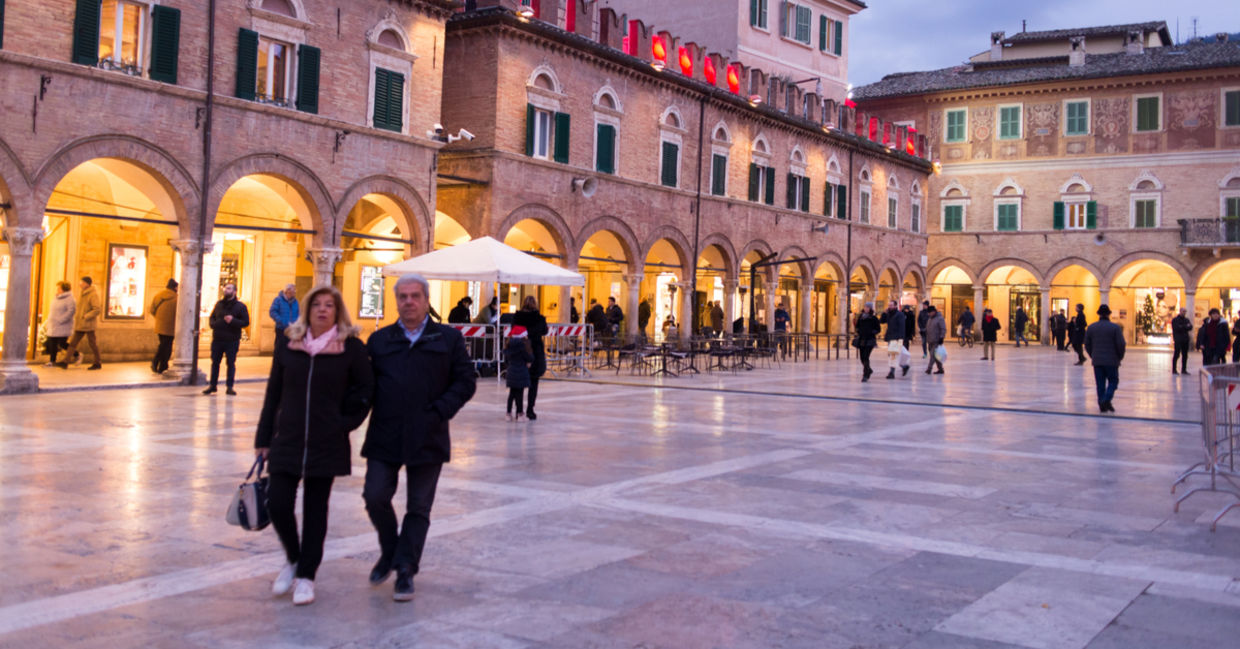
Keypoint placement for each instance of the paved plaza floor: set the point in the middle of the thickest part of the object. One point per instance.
(992, 507)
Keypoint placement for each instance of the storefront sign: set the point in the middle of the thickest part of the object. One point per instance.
(126, 295)
(372, 293)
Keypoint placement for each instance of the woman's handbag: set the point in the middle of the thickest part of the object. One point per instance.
(249, 504)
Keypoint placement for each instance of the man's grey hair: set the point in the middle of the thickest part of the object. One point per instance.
(869, 305)
(415, 278)
(292, 286)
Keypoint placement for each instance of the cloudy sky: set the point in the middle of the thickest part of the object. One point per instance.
(908, 35)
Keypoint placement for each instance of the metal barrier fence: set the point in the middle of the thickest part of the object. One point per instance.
(1220, 431)
(568, 347)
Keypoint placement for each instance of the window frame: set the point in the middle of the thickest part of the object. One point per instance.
(1136, 112)
(915, 224)
(1088, 113)
(964, 126)
(604, 115)
(1020, 130)
(893, 212)
(864, 198)
(1068, 207)
(791, 21)
(1222, 104)
(1008, 201)
(1224, 196)
(1133, 199)
(669, 134)
(761, 20)
(141, 65)
(543, 133)
(962, 203)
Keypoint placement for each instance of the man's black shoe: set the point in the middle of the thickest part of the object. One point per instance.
(904, 370)
(379, 574)
(404, 585)
(1108, 406)
(531, 416)
(230, 392)
(210, 390)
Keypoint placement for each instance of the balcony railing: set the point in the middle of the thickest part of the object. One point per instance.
(1210, 233)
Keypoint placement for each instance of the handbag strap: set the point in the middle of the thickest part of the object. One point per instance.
(257, 466)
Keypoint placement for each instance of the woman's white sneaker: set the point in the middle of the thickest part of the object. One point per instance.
(284, 580)
(303, 592)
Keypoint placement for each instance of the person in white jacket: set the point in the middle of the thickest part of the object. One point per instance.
(60, 322)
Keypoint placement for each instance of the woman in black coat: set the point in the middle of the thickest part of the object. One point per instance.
(536, 326)
(319, 390)
(867, 328)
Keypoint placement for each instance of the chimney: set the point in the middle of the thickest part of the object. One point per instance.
(1076, 51)
(1134, 43)
(996, 46)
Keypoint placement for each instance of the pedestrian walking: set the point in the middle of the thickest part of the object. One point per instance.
(573, 315)
(910, 325)
(460, 313)
(990, 334)
(164, 310)
(86, 320)
(319, 390)
(865, 340)
(966, 324)
(1214, 339)
(228, 318)
(284, 309)
(1104, 341)
(1181, 328)
(615, 316)
(1021, 320)
(1059, 330)
(922, 318)
(535, 325)
(894, 337)
(782, 319)
(716, 319)
(936, 333)
(1235, 347)
(1076, 334)
(423, 377)
(60, 323)
(517, 356)
(643, 315)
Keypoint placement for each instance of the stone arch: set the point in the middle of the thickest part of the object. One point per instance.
(1076, 179)
(1105, 280)
(797, 156)
(628, 240)
(915, 188)
(1146, 176)
(731, 261)
(761, 247)
(608, 91)
(833, 260)
(673, 112)
(864, 174)
(305, 182)
(1225, 182)
(549, 73)
(175, 179)
(1009, 183)
(545, 216)
(833, 165)
(679, 242)
(297, 7)
(389, 24)
(1010, 261)
(727, 133)
(954, 185)
(893, 181)
(15, 188)
(417, 215)
(864, 264)
(806, 269)
(918, 273)
(761, 145)
(944, 264)
(1060, 265)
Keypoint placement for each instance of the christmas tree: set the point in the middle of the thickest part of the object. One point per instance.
(1146, 318)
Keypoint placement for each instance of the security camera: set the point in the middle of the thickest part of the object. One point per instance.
(438, 128)
(436, 133)
(465, 134)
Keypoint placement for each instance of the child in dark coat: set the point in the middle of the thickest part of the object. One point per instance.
(518, 356)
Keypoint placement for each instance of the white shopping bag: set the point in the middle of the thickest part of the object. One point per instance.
(940, 353)
(904, 356)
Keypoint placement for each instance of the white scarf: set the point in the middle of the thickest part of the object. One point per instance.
(315, 345)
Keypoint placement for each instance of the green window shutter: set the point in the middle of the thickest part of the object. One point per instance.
(841, 202)
(396, 101)
(1231, 116)
(839, 37)
(86, 32)
(1009, 122)
(1058, 215)
(529, 129)
(1091, 215)
(783, 18)
(753, 13)
(805, 194)
(719, 175)
(1147, 114)
(605, 161)
(952, 218)
(671, 159)
(770, 186)
(247, 63)
(827, 198)
(561, 138)
(790, 194)
(1078, 118)
(165, 43)
(754, 181)
(1, 24)
(308, 78)
(380, 116)
(822, 33)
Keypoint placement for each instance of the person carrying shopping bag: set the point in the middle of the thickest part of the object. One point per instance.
(936, 333)
(897, 355)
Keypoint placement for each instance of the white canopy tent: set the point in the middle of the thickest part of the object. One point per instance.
(486, 260)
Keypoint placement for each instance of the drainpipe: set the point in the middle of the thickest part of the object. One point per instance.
(205, 191)
(691, 281)
(847, 279)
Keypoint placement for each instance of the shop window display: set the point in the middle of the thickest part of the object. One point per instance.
(126, 289)
(372, 293)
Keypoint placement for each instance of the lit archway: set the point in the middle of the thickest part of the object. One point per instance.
(1145, 295)
(1219, 287)
(536, 238)
(712, 270)
(663, 269)
(1072, 285)
(378, 231)
(753, 288)
(603, 260)
(951, 293)
(1009, 288)
(824, 300)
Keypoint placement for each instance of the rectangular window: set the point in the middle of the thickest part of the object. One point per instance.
(915, 222)
(389, 100)
(165, 42)
(1007, 217)
(953, 218)
(718, 175)
(274, 61)
(865, 207)
(956, 120)
(1145, 213)
(1147, 114)
(1231, 108)
(537, 132)
(1009, 122)
(757, 13)
(1077, 216)
(1231, 207)
(121, 25)
(671, 160)
(1076, 118)
(803, 18)
(892, 206)
(605, 149)
(828, 199)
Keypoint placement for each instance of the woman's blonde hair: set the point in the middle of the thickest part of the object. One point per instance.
(530, 303)
(344, 324)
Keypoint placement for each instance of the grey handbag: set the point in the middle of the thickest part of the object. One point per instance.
(249, 504)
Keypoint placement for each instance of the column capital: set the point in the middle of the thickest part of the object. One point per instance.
(633, 280)
(22, 240)
(729, 285)
(324, 256)
(189, 248)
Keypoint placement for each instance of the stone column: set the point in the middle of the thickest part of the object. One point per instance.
(1190, 303)
(772, 299)
(979, 301)
(1104, 297)
(562, 315)
(844, 304)
(15, 375)
(807, 309)
(1045, 325)
(729, 304)
(633, 284)
(182, 367)
(324, 260)
(685, 318)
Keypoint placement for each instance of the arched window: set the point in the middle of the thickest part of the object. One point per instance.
(1007, 201)
(607, 113)
(720, 151)
(761, 173)
(391, 68)
(671, 132)
(547, 129)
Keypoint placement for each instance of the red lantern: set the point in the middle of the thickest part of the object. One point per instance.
(686, 62)
(660, 52)
(708, 68)
(850, 103)
(734, 80)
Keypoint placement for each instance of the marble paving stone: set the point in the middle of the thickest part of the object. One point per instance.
(892, 483)
(527, 618)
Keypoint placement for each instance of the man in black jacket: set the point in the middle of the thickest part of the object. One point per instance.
(423, 376)
(1076, 333)
(893, 317)
(1214, 339)
(228, 318)
(922, 317)
(1104, 341)
(1181, 328)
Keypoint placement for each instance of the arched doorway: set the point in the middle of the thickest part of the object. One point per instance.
(860, 291)
(1012, 287)
(889, 288)
(1219, 288)
(753, 300)
(824, 300)
(791, 279)
(534, 237)
(1071, 286)
(712, 270)
(603, 260)
(951, 292)
(1145, 295)
(109, 219)
(377, 231)
(444, 295)
(660, 290)
(912, 290)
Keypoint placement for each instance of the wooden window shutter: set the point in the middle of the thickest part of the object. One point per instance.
(753, 13)
(827, 198)
(606, 162)
(719, 175)
(308, 78)
(671, 157)
(247, 63)
(770, 185)
(1, 24)
(396, 101)
(791, 193)
(805, 193)
(1091, 215)
(841, 202)
(380, 114)
(822, 33)
(561, 138)
(165, 43)
(529, 129)
(1058, 215)
(86, 32)
(754, 180)
(839, 37)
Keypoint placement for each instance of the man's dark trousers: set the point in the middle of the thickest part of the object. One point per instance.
(162, 354)
(221, 349)
(1106, 378)
(1181, 356)
(403, 547)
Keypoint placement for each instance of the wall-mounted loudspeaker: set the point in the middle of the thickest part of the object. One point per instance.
(587, 186)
